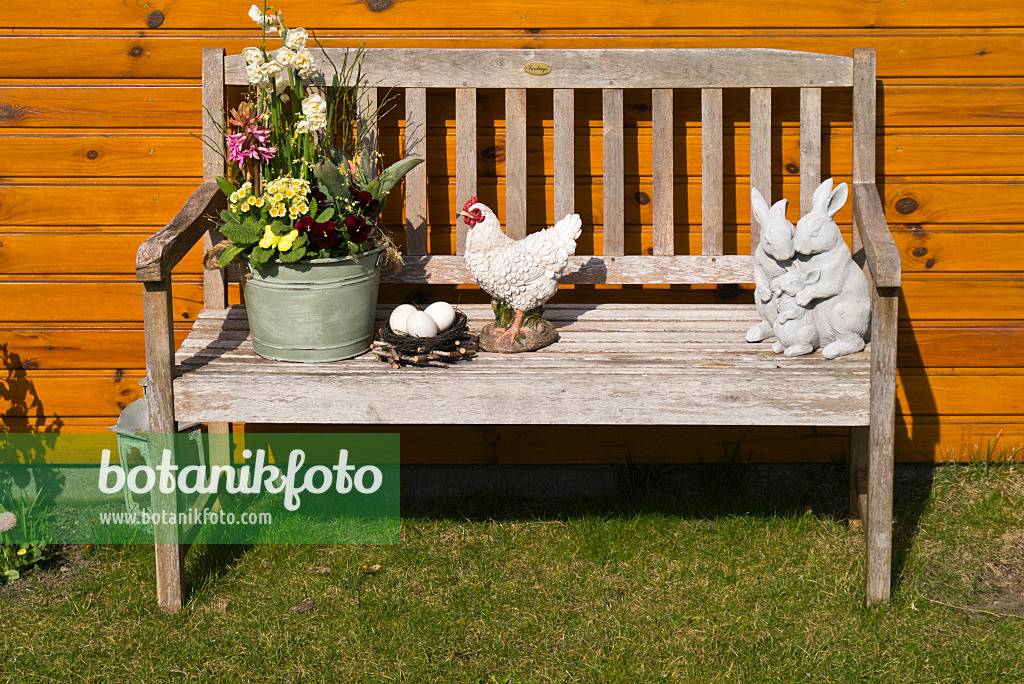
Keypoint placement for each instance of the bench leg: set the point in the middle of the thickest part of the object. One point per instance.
(157, 305)
(882, 435)
(859, 448)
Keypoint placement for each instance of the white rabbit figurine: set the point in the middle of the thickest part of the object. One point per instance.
(820, 247)
(773, 256)
(796, 327)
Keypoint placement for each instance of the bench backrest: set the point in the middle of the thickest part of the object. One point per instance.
(610, 70)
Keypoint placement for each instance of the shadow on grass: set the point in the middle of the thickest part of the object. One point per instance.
(706, 492)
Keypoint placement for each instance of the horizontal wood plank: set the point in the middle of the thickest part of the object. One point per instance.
(449, 15)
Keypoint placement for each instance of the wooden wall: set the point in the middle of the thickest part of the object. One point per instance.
(98, 99)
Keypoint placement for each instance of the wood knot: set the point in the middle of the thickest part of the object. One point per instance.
(493, 153)
(907, 205)
(136, 51)
(642, 198)
(920, 251)
(792, 168)
(8, 112)
(929, 263)
(92, 154)
(379, 5)
(155, 19)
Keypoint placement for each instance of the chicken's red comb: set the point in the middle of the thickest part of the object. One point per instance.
(471, 202)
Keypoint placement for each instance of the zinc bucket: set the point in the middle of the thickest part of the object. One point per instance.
(314, 311)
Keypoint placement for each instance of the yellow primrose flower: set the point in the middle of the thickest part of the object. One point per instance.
(286, 240)
(289, 193)
(279, 197)
(277, 210)
(245, 206)
(293, 212)
(235, 196)
(268, 239)
(234, 207)
(303, 208)
(257, 201)
(22, 552)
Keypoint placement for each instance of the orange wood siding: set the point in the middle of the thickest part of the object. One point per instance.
(98, 100)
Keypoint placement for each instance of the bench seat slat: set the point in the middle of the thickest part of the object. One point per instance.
(684, 364)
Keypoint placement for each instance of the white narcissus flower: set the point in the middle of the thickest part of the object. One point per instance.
(304, 63)
(256, 75)
(267, 21)
(274, 70)
(317, 122)
(302, 126)
(296, 38)
(284, 57)
(314, 105)
(253, 55)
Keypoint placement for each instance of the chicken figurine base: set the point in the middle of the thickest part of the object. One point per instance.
(535, 331)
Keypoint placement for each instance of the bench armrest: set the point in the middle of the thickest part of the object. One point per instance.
(880, 250)
(161, 252)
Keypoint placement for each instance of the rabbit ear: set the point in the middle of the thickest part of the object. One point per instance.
(812, 276)
(758, 206)
(821, 194)
(837, 199)
(780, 207)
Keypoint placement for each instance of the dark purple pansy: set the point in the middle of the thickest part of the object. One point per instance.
(357, 228)
(324, 235)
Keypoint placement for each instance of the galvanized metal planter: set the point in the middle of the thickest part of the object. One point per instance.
(313, 311)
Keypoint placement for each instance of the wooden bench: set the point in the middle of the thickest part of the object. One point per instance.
(622, 364)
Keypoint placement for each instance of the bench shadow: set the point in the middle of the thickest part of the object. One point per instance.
(217, 348)
(707, 492)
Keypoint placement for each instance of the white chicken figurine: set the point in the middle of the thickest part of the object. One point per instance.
(523, 274)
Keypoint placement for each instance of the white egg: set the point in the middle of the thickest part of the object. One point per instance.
(420, 324)
(399, 317)
(442, 313)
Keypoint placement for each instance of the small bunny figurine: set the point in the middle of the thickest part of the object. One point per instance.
(773, 256)
(820, 247)
(796, 328)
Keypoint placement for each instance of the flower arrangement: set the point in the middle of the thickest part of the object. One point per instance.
(297, 187)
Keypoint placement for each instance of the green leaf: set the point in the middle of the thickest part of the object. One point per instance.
(293, 254)
(228, 216)
(373, 187)
(331, 177)
(280, 228)
(260, 256)
(11, 575)
(229, 254)
(301, 241)
(247, 233)
(325, 215)
(226, 186)
(394, 173)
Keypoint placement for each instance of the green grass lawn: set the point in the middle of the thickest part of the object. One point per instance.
(725, 574)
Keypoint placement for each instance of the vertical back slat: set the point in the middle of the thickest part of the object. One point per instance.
(515, 163)
(416, 180)
(863, 124)
(662, 171)
(366, 123)
(564, 152)
(613, 187)
(465, 157)
(712, 242)
(810, 145)
(760, 153)
(215, 288)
